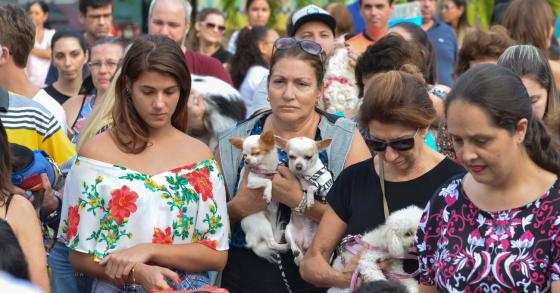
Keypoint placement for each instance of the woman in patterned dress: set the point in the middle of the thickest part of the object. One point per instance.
(494, 229)
(144, 203)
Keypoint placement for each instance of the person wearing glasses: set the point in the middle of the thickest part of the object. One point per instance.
(105, 57)
(249, 65)
(398, 113)
(294, 87)
(206, 38)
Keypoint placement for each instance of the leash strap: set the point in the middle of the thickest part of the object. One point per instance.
(382, 181)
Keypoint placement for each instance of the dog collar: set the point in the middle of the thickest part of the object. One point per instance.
(322, 179)
(262, 171)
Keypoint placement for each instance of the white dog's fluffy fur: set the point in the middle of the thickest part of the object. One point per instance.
(396, 236)
(340, 87)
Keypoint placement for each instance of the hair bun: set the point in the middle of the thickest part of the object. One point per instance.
(415, 72)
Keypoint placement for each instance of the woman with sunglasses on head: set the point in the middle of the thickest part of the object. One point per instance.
(294, 87)
(495, 228)
(250, 63)
(105, 57)
(405, 171)
(206, 38)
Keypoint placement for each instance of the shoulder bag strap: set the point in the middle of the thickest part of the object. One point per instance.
(382, 181)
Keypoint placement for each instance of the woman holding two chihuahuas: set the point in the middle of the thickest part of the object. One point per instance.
(398, 112)
(294, 87)
(144, 203)
(496, 228)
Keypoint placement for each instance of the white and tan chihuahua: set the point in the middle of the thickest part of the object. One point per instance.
(315, 178)
(263, 231)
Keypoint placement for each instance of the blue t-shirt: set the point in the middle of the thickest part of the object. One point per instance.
(445, 43)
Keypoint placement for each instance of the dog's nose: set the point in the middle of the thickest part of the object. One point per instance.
(299, 167)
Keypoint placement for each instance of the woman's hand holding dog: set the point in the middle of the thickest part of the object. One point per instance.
(154, 278)
(246, 201)
(119, 264)
(286, 188)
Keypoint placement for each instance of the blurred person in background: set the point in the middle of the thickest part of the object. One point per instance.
(375, 14)
(454, 13)
(39, 61)
(208, 34)
(258, 13)
(97, 18)
(70, 55)
(344, 21)
(249, 65)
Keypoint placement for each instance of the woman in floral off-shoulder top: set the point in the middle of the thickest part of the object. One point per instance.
(495, 229)
(144, 203)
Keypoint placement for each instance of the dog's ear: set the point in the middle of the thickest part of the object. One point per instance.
(394, 243)
(323, 144)
(236, 142)
(267, 138)
(282, 143)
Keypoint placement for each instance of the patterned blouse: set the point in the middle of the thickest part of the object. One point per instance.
(464, 249)
(108, 207)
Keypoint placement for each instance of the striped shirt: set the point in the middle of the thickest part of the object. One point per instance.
(29, 124)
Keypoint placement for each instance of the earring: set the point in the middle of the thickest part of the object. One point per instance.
(127, 93)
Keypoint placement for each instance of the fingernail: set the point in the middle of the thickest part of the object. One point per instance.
(178, 281)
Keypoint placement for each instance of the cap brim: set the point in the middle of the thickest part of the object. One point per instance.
(325, 18)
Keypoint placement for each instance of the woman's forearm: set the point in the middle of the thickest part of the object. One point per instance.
(42, 53)
(192, 257)
(83, 263)
(315, 270)
(316, 211)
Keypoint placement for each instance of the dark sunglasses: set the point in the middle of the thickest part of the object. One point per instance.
(401, 144)
(212, 26)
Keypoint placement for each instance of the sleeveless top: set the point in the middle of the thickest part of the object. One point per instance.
(85, 110)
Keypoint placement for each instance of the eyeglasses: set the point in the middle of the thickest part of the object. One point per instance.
(212, 26)
(308, 46)
(447, 7)
(401, 144)
(110, 64)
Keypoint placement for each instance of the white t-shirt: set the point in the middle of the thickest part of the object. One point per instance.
(37, 68)
(231, 44)
(252, 79)
(43, 98)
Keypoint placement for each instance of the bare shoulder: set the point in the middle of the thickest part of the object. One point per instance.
(100, 147)
(19, 213)
(73, 103)
(195, 147)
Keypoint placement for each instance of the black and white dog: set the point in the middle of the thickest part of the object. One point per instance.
(224, 106)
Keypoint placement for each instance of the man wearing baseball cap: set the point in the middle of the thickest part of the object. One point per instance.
(314, 23)
(376, 15)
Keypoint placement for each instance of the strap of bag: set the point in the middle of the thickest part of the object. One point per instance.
(382, 181)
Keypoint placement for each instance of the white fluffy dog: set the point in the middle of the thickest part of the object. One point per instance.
(389, 241)
(340, 90)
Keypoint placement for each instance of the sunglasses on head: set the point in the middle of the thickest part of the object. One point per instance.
(400, 144)
(212, 26)
(308, 46)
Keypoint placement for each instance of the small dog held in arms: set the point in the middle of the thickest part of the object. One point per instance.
(389, 241)
(340, 90)
(263, 231)
(315, 178)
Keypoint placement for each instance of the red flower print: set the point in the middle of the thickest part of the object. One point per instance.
(212, 244)
(200, 180)
(178, 170)
(72, 222)
(122, 203)
(161, 237)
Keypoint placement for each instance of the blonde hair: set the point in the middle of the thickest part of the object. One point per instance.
(101, 117)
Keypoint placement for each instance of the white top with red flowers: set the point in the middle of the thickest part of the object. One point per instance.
(108, 207)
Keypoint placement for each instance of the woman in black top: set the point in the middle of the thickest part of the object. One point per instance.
(398, 112)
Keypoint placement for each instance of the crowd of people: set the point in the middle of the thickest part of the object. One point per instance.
(126, 196)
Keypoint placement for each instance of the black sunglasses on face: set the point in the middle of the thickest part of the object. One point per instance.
(212, 26)
(401, 144)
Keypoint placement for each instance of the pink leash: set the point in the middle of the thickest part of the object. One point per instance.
(390, 275)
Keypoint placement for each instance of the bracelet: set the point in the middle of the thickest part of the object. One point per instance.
(300, 208)
(131, 273)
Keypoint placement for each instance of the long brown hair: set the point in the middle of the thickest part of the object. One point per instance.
(530, 22)
(5, 167)
(149, 53)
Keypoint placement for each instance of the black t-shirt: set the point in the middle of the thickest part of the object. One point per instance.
(58, 96)
(356, 196)
(223, 55)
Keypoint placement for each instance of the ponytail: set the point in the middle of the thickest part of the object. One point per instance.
(542, 148)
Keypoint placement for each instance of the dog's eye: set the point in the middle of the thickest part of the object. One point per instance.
(409, 233)
(292, 157)
(308, 157)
